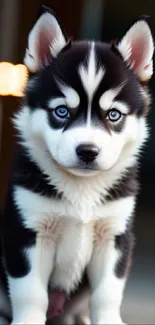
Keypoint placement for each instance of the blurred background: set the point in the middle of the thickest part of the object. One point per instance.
(104, 20)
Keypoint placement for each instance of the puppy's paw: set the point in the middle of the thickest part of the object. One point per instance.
(29, 321)
(33, 322)
(82, 320)
(109, 320)
(112, 321)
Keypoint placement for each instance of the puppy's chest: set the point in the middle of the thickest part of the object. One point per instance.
(72, 231)
(68, 224)
(50, 217)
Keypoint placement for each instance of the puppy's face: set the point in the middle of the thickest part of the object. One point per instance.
(87, 103)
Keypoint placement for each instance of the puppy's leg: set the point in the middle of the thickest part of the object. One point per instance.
(28, 292)
(107, 274)
(73, 254)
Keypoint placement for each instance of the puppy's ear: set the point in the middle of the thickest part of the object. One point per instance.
(45, 41)
(136, 48)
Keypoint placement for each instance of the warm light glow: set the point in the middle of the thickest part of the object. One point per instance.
(6, 70)
(21, 75)
(13, 79)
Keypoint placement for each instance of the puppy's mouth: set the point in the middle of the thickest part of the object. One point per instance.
(88, 170)
(83, 171)
(79, 165)
(86, 166)
(80, 168)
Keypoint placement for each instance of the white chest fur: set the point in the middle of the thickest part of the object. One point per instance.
(37, 209)
(73, 229)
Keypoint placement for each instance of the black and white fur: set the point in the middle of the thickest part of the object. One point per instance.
(65, 215)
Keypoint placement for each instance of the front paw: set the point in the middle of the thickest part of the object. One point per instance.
(28, 321)
(109, 320)
(33, 318)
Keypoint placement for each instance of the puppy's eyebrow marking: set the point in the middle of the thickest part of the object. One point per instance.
(121, 106)
(106, 100)
(54, 102)
(71, 96)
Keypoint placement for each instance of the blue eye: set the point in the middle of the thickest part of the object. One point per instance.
(62, 112)
(114, 115)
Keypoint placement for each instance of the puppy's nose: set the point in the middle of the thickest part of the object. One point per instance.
(87, 152)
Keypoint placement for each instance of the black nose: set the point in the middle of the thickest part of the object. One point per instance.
(87, 152)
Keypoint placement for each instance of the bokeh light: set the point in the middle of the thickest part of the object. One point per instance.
(13, 79)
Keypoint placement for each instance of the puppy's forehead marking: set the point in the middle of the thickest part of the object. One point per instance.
(71, 95)
(107, 98)
(89, 75)
(91, 78)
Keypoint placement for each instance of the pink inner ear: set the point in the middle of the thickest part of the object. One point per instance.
(45, 39)
(138, 53)
(147, 67)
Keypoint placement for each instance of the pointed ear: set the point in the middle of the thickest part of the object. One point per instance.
(45, 41)
(136, 48)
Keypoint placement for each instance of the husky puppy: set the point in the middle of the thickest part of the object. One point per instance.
(73, 189)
